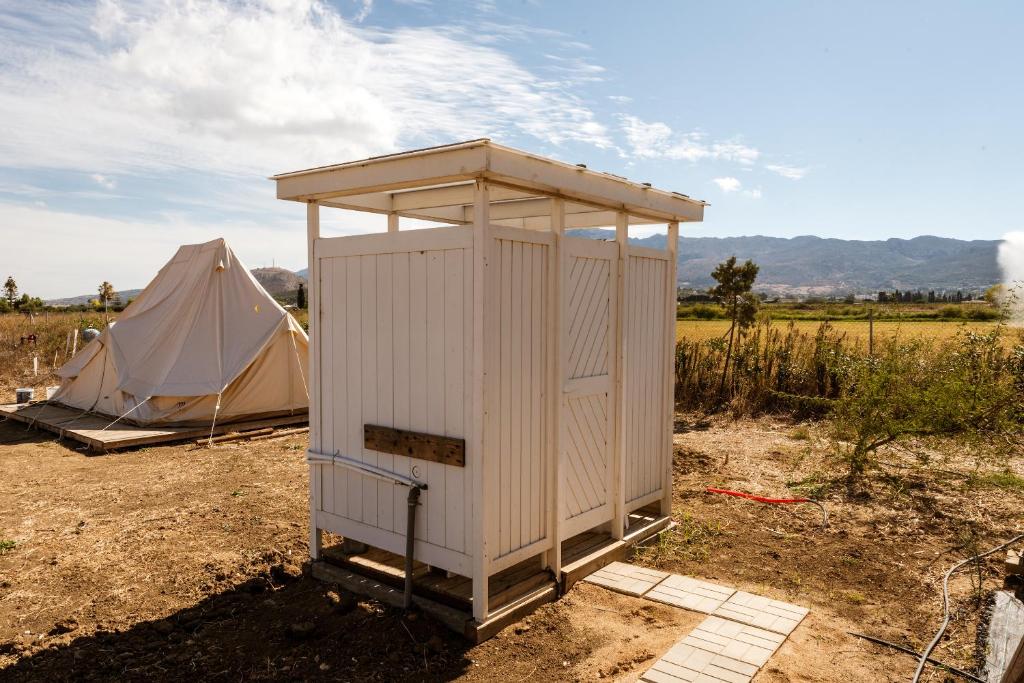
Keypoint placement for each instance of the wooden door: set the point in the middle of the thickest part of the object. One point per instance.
(588, 388)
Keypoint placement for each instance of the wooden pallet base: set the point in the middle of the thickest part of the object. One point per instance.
(91, 429)
(513, 593)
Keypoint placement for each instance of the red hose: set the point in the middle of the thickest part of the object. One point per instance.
(773, 501)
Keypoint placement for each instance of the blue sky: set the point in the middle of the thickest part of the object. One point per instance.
(133, 126)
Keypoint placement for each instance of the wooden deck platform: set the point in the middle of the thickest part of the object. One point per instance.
(88, 428)
(514, 592)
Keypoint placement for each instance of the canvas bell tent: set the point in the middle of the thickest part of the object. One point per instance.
(204, 343)
(518, 376)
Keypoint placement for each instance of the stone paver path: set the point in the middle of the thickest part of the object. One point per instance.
(691, 594)
(762, 612)
(627, 578)
(729, 646)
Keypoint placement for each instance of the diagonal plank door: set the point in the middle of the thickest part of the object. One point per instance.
(587, 406)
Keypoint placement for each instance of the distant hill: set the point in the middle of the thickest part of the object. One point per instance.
(82, 299)
(814, 265)
(278, 280)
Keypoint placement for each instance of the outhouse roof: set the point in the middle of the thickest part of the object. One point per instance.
(436, 183)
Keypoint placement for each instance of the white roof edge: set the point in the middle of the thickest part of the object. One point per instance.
(487, 167)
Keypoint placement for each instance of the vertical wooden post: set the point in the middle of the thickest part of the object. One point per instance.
(672, 246)
(392, 222)
(871, 331)
(619, 458)
(313, 383)
(555, 384)
(477, 460)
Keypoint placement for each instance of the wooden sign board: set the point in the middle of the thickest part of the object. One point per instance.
(442, 449)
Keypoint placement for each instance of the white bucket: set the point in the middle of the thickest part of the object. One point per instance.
(24, 395)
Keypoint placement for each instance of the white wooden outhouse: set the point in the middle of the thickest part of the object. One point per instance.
(527, 371)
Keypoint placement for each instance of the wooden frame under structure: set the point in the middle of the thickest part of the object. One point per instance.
(546, 357)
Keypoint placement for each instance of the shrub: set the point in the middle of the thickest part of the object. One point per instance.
(970, 389)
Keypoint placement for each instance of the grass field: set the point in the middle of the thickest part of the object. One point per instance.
(856, 331)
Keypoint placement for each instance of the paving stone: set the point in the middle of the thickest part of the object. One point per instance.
(762, 612)
(627, 578)
(690, 593)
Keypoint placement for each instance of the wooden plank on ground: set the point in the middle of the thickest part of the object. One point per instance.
(93, 430)
(1004, 659)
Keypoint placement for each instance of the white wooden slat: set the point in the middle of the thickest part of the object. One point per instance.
(434, 498)
(579, 306)
(538, 391)
(324, 482)
(368, 266)
(515, 382)
(555, 491)
(402, 373)
(315, 440)
(513, 234)
(665, 480)
(388, 243)
(418, 363)
(526, 286)
(582, 313)
(649, 253)
(336, 307)
(594, 353)
(505, 293)
(385, 493)
(480, 467)
(354, 383)
(469, 492)
(454, 378)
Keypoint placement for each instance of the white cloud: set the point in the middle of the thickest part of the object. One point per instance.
(103, 181)
(727, 184)
(255, 86)
(656, 140)
(364, 9)
(791, 172)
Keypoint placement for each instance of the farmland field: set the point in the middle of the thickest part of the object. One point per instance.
(855, 330)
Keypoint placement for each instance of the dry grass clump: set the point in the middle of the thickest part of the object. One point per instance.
(50, 346)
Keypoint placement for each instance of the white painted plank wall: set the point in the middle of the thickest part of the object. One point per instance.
(517, 447)
(645, 375)
(397, 351)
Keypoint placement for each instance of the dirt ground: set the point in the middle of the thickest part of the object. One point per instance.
(182, 562)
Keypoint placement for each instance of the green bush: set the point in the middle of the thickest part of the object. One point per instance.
(970, 389)
(701, 312)
(950, 312)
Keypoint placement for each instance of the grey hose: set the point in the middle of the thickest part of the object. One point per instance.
(945, 604)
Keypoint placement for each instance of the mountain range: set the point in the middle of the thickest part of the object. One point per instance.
(815, 265)
(798, 266)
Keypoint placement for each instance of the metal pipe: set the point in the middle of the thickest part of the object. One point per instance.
(410, 541)
(318, 458)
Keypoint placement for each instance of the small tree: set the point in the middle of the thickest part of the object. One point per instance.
(11, 290)
(300, 297)
(107, 293)
(734, 291)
